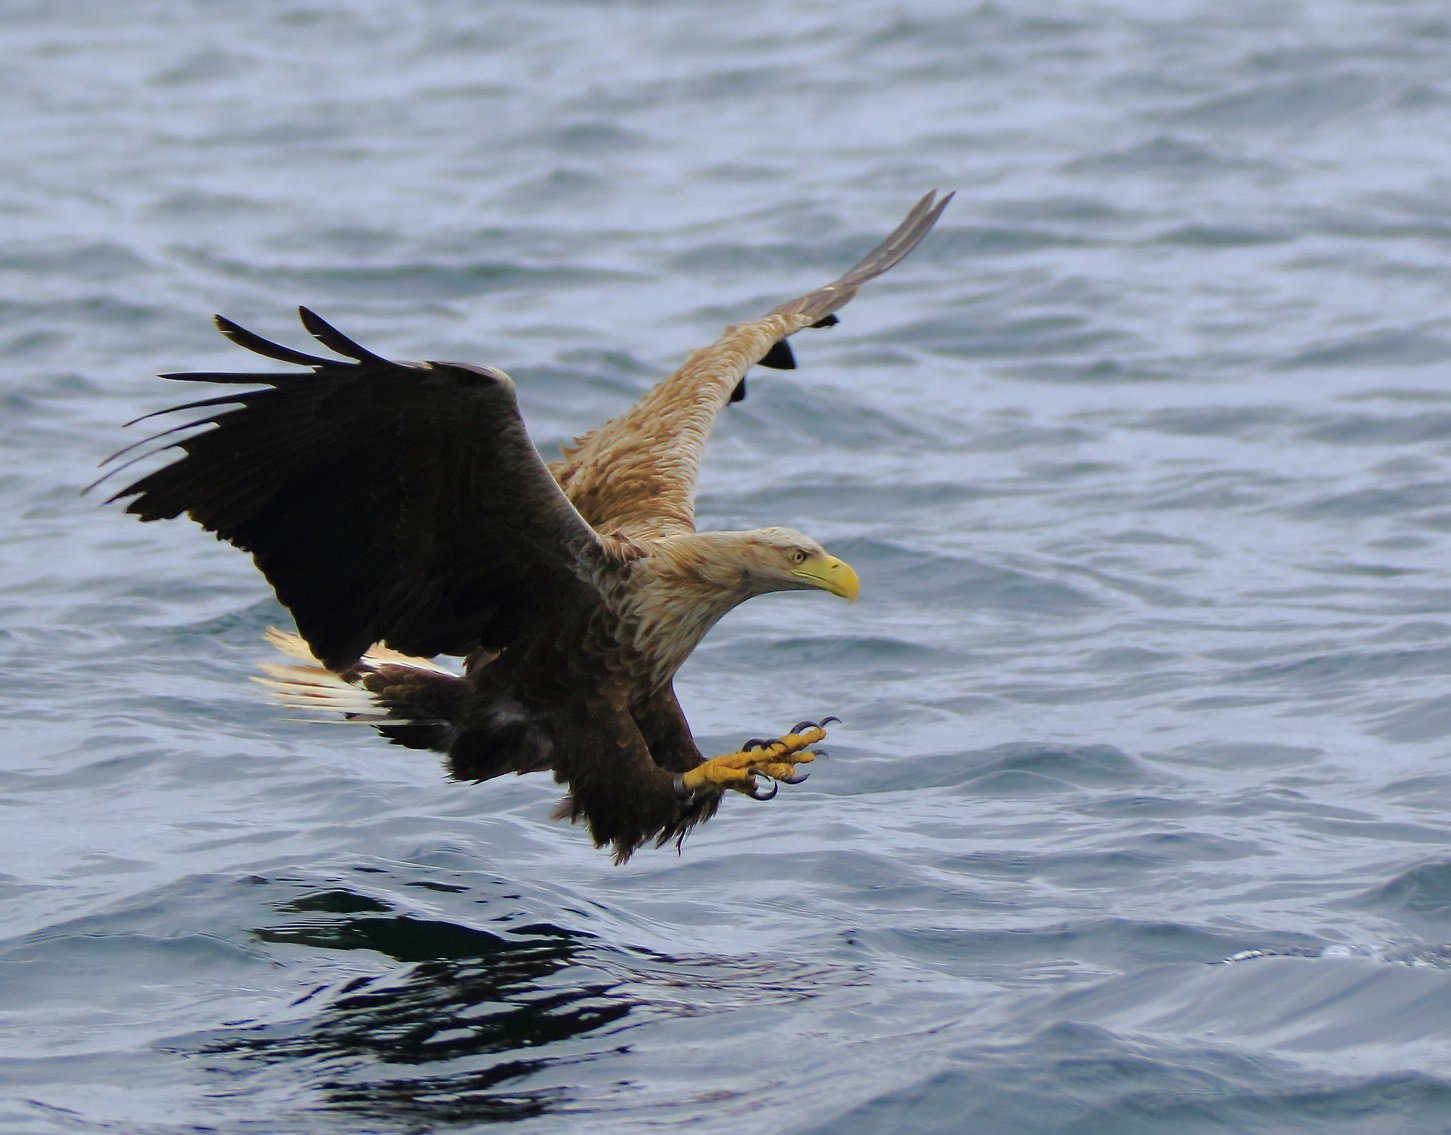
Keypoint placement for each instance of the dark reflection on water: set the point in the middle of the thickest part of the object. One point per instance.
(469, 1003)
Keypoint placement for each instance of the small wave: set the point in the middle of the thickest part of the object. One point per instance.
(592, 136)
(1381, 501)
(1297, 103)
(1013, 769)
(418, 281)
(1218, 421)
(1222, 236)
(1423, 891)
(1164, 154)
(1401, 347)
(1011, 338)
(98, 261)
(1115, 944)
(966, 584)
(1095, 371)
(1074, 1076)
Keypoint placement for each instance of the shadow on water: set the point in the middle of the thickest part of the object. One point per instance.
(437, 1042)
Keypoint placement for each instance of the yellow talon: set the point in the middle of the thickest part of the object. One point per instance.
(777, 760)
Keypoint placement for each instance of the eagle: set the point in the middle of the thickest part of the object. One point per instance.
(400, 512)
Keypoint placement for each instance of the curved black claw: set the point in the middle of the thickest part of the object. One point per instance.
(825, 721)
(756, 794)
(756, 743)
(802, 726)
(794, 778)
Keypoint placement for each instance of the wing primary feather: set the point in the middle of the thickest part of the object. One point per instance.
(237, 378)
(200, 404)
(334, 340)
(220, 400)
(162, 434)
(258, 345)
(130, 489)
(822, 302)
(739, 393)
(903, 239)
(825, 321)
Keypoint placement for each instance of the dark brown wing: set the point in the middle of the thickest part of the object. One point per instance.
(385, 502)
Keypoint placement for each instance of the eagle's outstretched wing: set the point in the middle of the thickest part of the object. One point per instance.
(384, 501)
(636, 474)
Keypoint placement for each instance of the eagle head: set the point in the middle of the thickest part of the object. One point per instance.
(782, 559)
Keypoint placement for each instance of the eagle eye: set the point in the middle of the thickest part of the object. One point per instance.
(798, 556)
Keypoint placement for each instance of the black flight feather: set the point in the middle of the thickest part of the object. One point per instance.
(258, 345)
(334, 340)
(779, 357)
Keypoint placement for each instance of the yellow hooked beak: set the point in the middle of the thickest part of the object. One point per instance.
(830, 574)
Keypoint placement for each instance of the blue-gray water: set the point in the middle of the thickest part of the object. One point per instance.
(1139, 818)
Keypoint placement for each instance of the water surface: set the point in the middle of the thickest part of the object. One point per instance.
(1138, 819)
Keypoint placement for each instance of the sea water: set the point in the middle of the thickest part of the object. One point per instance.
(1137, 819)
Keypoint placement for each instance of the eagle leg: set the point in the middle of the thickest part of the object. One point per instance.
(771, 760)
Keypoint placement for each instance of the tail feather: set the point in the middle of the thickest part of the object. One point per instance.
(411, 701)
(314, 688)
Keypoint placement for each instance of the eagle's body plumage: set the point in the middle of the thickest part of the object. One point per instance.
(400, 511)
